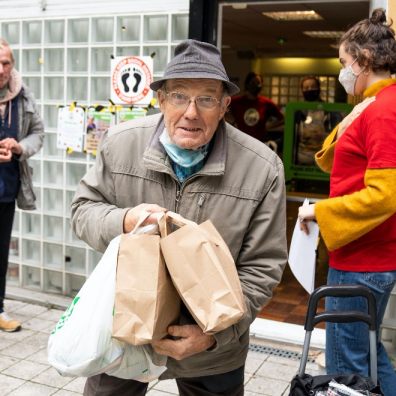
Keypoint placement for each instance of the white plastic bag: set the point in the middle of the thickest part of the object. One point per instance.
(81, 343)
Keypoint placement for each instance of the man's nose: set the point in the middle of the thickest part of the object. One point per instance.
(191, 111)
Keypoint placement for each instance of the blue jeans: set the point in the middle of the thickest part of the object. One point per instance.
(347, 344)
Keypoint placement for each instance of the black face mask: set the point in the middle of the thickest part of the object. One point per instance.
(312, 95)
(254, 88)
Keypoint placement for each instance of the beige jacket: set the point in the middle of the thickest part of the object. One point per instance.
(240, 188)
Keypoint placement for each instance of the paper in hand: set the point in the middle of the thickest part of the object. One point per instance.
(302, 253)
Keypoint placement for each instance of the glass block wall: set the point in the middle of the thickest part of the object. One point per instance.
(64, 60)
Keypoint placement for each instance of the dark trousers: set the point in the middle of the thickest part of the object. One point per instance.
(227, 384)
(7, 211)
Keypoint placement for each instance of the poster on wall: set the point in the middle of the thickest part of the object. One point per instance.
(128, 113)
(131, 77)
(97, 123)
(71, 128)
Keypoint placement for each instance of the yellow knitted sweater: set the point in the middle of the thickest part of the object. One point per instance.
(346, 218)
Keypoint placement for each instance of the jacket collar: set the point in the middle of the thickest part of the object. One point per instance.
(373, 89)
(156, 159)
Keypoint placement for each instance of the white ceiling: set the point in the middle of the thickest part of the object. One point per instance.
(249, 34)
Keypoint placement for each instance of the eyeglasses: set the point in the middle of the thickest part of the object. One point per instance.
(181, 100)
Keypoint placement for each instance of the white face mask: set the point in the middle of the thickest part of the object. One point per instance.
(348, 78)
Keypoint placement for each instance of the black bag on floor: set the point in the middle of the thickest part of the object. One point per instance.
(307, 385)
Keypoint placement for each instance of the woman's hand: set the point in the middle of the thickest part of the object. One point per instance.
(306, 213)
(12, 145)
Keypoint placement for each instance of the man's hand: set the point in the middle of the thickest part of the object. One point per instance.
(12, 145)
(356, 111)
(133, 215)
(192, 341)
(5, 155)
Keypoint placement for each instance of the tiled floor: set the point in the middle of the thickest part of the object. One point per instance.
(24, 369)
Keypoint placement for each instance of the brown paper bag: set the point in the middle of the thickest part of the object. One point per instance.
(204, 273)
(146, 301)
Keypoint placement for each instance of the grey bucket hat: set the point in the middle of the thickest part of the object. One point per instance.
(196, 59)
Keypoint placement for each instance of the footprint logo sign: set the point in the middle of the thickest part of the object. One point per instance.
(131, 77)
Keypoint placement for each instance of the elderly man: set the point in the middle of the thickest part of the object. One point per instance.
(188, 160)
(21, 136)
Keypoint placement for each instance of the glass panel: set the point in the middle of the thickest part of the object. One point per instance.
(53, 228)
(54, 60)
(127, 51)
(50, 149)
(17, 59)
(76, 156)
(15, 224)
(179, 27)
(101, 59)
(52, 281)
(53, 173)
(73, 284)
(102, 30)
(34, 83)
(31, 60)
(37, 193)
(53, 256)
(77, 60)
(31, 32)
(14, 248)
(160, 57)
(100, 89)
(69, 199)
(74, 173)
(75, 260)
(78, 30)
(155, 28)
(128, 28)
(31, 252)
(10, 32)
(54, 31)
(77, 89)
(31, 225)
(53, 88)
(93, 259)
(53, 202)
(31, 277)
(51, 116)
(70, 236)
(13, 272)
(36, 168)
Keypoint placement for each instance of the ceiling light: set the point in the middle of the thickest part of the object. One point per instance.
(239, 6)
(293, 15)
(326, 34)
(335, 46)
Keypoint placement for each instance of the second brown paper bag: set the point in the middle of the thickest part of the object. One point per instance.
(146, 302)
(204, 273)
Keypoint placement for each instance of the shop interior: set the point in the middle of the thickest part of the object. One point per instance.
(283, 47)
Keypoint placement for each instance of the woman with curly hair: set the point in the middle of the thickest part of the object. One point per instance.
(358, 221)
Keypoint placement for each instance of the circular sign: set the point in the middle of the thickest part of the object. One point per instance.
(131, 80)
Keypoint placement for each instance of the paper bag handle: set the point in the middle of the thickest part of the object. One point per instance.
(144, 216)
(178, 220)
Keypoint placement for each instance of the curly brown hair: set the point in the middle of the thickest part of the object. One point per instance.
(375, 37)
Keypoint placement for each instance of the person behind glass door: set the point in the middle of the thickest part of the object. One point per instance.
(21, 136)
(358, 221)
(253, 113)
(312, 126)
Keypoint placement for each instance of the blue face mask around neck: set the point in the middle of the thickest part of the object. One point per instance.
(183, 157)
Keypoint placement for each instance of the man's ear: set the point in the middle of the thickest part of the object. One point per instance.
(225, 102)
(161, 99)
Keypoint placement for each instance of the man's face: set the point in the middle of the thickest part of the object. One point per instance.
(6, 66)
(192, 125)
